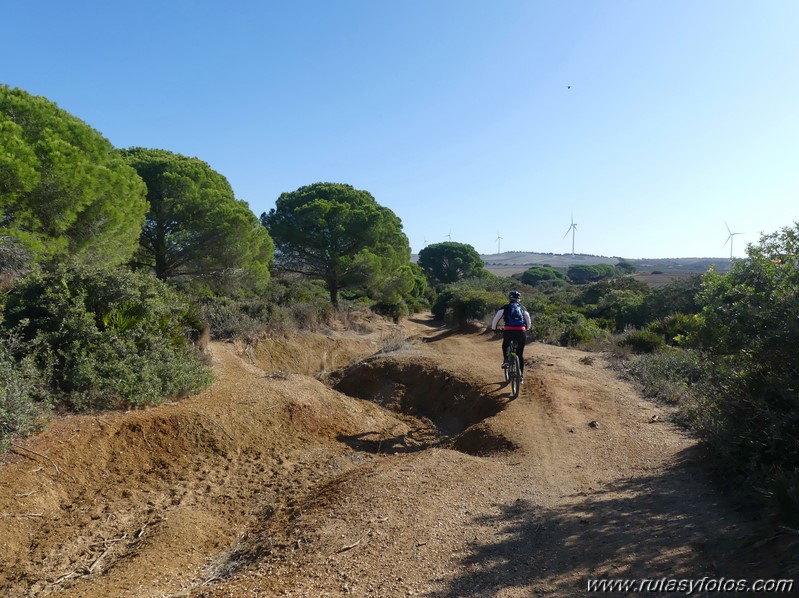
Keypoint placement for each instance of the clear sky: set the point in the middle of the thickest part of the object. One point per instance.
(651, 122)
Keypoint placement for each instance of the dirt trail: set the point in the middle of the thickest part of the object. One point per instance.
(424, 479)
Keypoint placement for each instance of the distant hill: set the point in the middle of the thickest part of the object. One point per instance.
(511, 262)
(514, 262)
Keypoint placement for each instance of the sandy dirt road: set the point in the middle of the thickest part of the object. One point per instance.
(410, 472)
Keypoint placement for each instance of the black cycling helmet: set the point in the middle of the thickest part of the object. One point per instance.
(515, 296)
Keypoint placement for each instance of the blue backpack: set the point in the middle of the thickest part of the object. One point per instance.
(514, 314)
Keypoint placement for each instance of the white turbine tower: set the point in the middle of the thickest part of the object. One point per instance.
(449, 236)
(498, 240)
(729, 238)
(572, 228)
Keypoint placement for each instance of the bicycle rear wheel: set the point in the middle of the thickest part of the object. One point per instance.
(509, 357)
(515, 376)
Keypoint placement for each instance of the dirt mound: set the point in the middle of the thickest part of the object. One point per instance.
(417, 386)
(311, 354)
(483, 439)
(96, 503)
(448, 409)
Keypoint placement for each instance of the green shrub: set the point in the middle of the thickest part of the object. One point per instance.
(667, 375)
(228, 319)
(538, 274)
(565, 326)
(395, 311)
(749, 325)
(621, 307)
(675, 328)
(20, 411)
(105, 338)
(581, 331)
(641, 341)
(679, 296)
(459, 303)
(287, 305)
(312, 315)
(584, 273)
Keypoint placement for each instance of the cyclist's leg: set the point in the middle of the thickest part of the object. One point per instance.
(520, 342)
(506, 338)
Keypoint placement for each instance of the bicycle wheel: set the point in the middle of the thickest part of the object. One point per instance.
(509, 356)
(515, 376)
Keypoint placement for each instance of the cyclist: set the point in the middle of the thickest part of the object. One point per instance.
(517, 323)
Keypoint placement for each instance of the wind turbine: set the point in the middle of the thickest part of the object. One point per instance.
(729, 238)
(572, 228)
(498, 240)
(449, 236)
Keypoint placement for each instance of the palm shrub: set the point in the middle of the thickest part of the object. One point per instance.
(674, 328)
(105, 337)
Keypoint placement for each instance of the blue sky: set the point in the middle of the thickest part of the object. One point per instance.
(457, 114)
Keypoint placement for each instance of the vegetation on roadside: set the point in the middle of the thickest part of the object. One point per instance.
(102, 337)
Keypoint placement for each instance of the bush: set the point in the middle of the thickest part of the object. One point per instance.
(15, 261)
(287, 305)
(623, 308)
(395, 311)
(459, 303)
(679, 296)
(641, 341)
(667, 375)
(228, 318)
(581, 331)
(749, 325)
(538, 274)
(583, 273)
(675, 329)
(20, 412)
(105, 338)
(566, 327)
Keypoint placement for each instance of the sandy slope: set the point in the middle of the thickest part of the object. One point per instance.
(427, 481)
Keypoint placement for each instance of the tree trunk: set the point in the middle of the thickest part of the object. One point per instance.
(332, 286)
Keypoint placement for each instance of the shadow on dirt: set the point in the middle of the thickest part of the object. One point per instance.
(413, 441)
(556, 551)
(468, 328)
(430, 323)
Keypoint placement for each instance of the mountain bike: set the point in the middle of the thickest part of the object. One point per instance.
(513, 372)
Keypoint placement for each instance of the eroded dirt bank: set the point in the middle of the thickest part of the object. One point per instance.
(423, 479)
